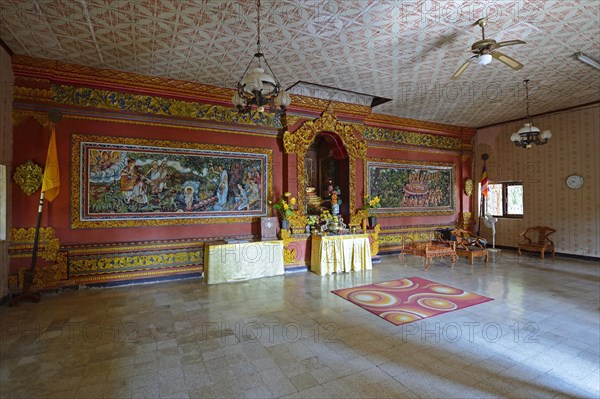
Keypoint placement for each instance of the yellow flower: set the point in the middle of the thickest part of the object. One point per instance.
(285, 206)
(370, 203)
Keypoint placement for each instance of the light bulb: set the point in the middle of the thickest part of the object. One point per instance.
(546, 135)
(484, 59)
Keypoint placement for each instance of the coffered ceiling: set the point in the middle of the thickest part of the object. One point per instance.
(403, 50)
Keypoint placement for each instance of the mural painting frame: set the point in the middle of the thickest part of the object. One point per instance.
(187, 201)
(433, 187)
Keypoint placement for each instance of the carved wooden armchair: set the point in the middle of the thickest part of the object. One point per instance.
(536, 239)
(470, 245)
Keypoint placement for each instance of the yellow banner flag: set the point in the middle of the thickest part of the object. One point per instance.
(51, 182)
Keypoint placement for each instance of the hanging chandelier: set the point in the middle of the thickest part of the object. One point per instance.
(259, 88)
(529, 134)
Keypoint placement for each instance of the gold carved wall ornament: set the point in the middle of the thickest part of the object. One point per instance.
(19, 116)
(28, 177)
(299, 141)
(298, 220)
(411, 138)
(375, 236)
(32, 94)
(359, 217)
(469, 187)
(21, 245)
(21, 240)
(466, 220)
(289, 255)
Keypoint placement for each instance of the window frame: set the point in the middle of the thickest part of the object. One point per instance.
(505, 214)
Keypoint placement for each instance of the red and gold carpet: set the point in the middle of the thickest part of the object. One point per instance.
(410, 299)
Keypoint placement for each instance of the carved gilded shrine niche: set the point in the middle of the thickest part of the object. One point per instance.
(327, 153)
(326, 167)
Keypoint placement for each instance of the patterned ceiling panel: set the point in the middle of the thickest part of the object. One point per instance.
(404, 50)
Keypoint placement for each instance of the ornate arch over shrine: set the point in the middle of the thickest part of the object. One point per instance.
(299, 141)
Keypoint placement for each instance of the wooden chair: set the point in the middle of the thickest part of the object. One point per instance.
(469, 245)
(536, 239)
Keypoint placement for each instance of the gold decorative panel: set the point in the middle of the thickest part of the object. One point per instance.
(300, 140)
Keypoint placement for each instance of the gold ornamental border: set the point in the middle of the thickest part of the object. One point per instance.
(411, 148)
(94, 98)
(76, 140)
(155, 105)
(82, 250)
(126, 276)
(299, 141)
(127, 263)
(411, 138)
(391, 120)
(21, 241)
(450, 165)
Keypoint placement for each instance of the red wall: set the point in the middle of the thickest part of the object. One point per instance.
(31, 143)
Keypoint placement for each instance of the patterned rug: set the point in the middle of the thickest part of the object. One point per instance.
(410, 299)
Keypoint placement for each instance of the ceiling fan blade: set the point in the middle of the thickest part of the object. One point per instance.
(510, 43)
(461, 70)
(511, 62)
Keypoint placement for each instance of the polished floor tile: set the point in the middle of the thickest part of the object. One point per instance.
(290, 337)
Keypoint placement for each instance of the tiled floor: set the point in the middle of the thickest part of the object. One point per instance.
(290, 337)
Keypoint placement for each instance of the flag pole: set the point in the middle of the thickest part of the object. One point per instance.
(484, 157)
(28, 293)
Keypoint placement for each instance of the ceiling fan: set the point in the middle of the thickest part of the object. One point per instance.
(485, 50)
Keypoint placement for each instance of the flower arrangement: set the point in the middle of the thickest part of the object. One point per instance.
(326, 216)
(372, 203)
(285, 206)
(312, 220)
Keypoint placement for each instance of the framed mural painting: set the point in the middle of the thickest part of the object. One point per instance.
(410, 188)
(124, 182)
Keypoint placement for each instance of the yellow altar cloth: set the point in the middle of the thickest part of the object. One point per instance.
(228, 262)
(335, 254)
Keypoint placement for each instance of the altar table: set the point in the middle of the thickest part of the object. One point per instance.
(228, 262)
(340, 253)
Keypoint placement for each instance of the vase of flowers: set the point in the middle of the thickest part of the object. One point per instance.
(285, 207)
(372, 203)
(312, 222)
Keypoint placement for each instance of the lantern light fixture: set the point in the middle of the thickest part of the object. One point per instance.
(529, 134)
(258, 86)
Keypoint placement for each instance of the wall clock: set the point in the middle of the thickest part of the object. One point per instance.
(574, 182)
